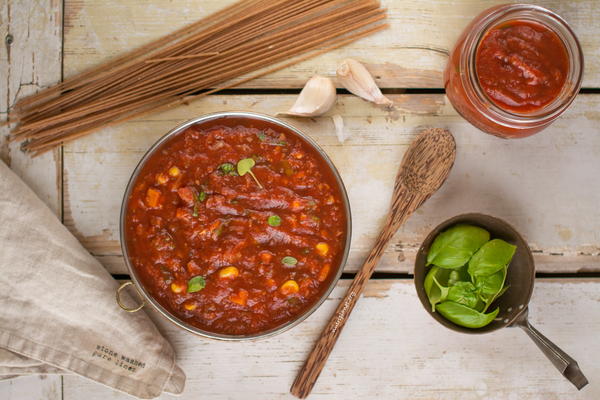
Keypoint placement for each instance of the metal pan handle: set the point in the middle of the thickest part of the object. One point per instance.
(122, 305)
(561, 360)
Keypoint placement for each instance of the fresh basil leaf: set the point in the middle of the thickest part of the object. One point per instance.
(434, 285)
(289, 261)
(465, 316)
(454, 247)
(245, 165)
(492, 284)
(491, 258)
(458, 275)
(463, 293)
(453, 278)
(274, 220)
(196, 284)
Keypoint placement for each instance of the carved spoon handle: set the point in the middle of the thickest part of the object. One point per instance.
(308, 375)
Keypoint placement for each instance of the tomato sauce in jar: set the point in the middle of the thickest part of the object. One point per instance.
(521, 65)
(236, 229)
(514, 70)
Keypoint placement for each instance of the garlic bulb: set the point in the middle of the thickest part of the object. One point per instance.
(316, 98)
(355, 77)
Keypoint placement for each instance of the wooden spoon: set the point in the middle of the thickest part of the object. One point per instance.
(424, 168)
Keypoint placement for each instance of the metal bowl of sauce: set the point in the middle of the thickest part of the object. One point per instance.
(234, 226)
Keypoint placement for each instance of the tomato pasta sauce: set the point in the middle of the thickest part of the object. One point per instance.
(236, 229)
(522, 65)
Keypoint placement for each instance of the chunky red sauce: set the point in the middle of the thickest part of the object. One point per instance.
(220, 252)
(521, 65)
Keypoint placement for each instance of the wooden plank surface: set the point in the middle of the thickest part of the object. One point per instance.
(30, 59)
(547, 186)
(39, 387)
(412, 53)
(544, 184)
(392, 349)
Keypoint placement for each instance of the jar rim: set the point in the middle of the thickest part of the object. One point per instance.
(548, 19)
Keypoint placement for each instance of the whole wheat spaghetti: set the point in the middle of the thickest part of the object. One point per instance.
(246, 40)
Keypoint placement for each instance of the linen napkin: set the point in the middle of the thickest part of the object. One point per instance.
(58, 312)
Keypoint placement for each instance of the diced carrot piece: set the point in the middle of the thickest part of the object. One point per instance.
(270, 283)
(186, 194)
(296, 205)
(324, 272)
(182, 213)
(240, 298)
(153, 197)
(265, 256)
(190, 306)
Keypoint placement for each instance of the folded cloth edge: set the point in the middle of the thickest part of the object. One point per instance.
(31, 349)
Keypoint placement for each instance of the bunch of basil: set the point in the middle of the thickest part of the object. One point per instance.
(468, 274)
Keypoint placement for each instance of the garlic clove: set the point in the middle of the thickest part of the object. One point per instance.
(316, 98)
(355, 77)
(338, 123)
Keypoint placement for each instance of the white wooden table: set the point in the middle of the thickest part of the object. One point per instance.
(548, 186)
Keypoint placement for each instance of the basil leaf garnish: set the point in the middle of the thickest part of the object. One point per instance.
(454, 247)
(196, 284)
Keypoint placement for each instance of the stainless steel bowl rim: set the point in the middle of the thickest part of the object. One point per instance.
(157, 145)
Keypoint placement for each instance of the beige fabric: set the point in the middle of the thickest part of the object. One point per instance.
(57, 306)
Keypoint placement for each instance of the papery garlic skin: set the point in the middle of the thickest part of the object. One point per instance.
(355, 77)
(316, 98)
(338, 123)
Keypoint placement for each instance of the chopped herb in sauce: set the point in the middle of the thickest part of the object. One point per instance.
(289, 261)
(196, 284)
(274, 220)
(201, 196)
(227, 168)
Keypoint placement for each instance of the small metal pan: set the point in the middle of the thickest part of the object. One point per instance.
(513, 303)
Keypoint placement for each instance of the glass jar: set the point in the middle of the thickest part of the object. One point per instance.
(465, 92)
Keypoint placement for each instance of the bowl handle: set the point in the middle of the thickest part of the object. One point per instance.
(120, 302)
(561, 360)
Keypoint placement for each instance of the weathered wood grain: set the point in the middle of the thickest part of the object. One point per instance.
(412, 53)
(546, 185)
(40, 387)
(30, 59)
(392, 349)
